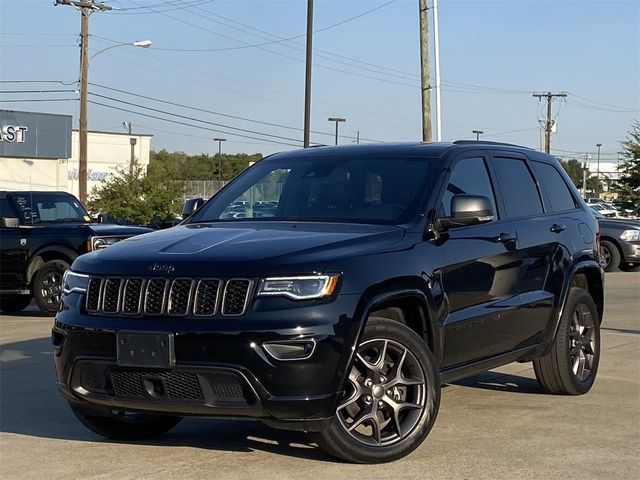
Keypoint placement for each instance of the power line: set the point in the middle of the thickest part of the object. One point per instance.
(174, 6)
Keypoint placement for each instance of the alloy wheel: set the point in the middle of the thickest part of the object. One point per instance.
(51, 288)
(582, 342)
(605, 256)
(387, 395)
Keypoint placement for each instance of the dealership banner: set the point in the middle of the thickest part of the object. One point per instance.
(34, 135)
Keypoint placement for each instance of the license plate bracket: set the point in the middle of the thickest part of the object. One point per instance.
(148, 350)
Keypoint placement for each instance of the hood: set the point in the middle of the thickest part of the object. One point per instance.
(113, 229)
(230, 249)
(619, 223)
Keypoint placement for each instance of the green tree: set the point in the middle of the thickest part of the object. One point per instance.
(628, 186)
(574, 169)
(140, 197)
(203, 166)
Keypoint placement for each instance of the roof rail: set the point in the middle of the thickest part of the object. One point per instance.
(486, 142)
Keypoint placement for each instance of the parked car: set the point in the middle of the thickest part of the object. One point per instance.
(594, 200)
(385, 271)
(41, 234)
(619, 243)
(603, 210)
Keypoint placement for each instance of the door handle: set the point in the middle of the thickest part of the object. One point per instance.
(556, 228)
(504, 238)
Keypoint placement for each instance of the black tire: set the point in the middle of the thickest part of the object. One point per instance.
(609, 256)
(404, 412)
(119, 425)
(14, 303)
(625, 267)
(571, 366)
(47, 286)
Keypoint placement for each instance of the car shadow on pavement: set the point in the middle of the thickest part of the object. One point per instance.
(502, 382)
(31, 405)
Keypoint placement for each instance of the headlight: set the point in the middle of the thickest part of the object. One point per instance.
(74, 282)
(299, 288)
(630, 235)
(98, 243)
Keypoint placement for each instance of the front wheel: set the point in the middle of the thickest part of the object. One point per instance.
(571, 365)
(609, 256)
(391, 400)
(47, 286)
(121, 425)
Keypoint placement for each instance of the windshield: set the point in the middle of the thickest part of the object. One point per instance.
(383, 190)
(596, 213)
(36, 207)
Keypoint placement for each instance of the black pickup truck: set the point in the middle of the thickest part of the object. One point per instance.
(41, 234)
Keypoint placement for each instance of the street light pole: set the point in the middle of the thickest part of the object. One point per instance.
(219, 140)
(478, 133)
(337, 120)
(307, 84)
(599, 145)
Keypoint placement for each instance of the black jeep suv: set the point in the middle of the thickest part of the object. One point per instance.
(41, 233)
(382, 272)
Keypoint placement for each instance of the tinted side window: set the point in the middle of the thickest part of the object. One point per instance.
(5, 208)
(469, 176)
(554, 187)
(518, 188)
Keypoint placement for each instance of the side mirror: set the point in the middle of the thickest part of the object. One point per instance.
(468, 210)
(103, 218)
(191, 206)
(10, 222)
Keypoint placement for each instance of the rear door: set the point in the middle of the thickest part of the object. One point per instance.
(480, 267)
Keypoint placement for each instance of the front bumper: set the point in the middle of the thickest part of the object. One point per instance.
(221, 368)
(630, 251)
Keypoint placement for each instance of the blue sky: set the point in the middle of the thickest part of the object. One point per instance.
(494, 54)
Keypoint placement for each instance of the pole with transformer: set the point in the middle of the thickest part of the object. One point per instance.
(86, 7)
(549, 122)
(425, 84)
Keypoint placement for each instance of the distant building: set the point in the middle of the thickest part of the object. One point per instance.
(40, 151)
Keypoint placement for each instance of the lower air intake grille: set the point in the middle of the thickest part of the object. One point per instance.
(176, 385)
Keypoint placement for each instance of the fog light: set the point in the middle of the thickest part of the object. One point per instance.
(292, 350)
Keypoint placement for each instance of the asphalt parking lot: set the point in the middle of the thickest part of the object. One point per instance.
(495, 425)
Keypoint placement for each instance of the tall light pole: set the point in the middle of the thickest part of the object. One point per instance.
(599, 145)
(132, 142)
(337, 120)
(478, 133)
(219, 140)
(307, 83)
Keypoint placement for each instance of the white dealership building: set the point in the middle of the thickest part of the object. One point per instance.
(39, 151)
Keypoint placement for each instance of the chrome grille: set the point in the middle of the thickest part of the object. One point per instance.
(206, 299)
(132, 297)
(236, 294)
(180, 296)
(154, 296)
(162, 296)
(111, 295)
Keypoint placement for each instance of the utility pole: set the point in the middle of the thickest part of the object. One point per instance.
(478, 133)
(425, 72)
(86, 7)
(339, 120)
(307, 85)
(599, 145)
(219, 140)
(132, 142)
(358, 141)
(549, 122)
(585, 172)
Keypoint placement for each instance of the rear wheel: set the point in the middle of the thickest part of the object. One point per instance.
(121, 425)
(14, 303)
(571, 366)
(609, 256)
(47, 285)
(392, 397)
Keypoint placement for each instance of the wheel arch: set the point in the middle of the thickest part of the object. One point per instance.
(47, 254)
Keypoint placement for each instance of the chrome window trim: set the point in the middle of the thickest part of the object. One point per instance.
(140, 297)
(191, 284)
(246, 298)
(217, 300)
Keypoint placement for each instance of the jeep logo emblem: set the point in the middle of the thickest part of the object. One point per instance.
(162, 267)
